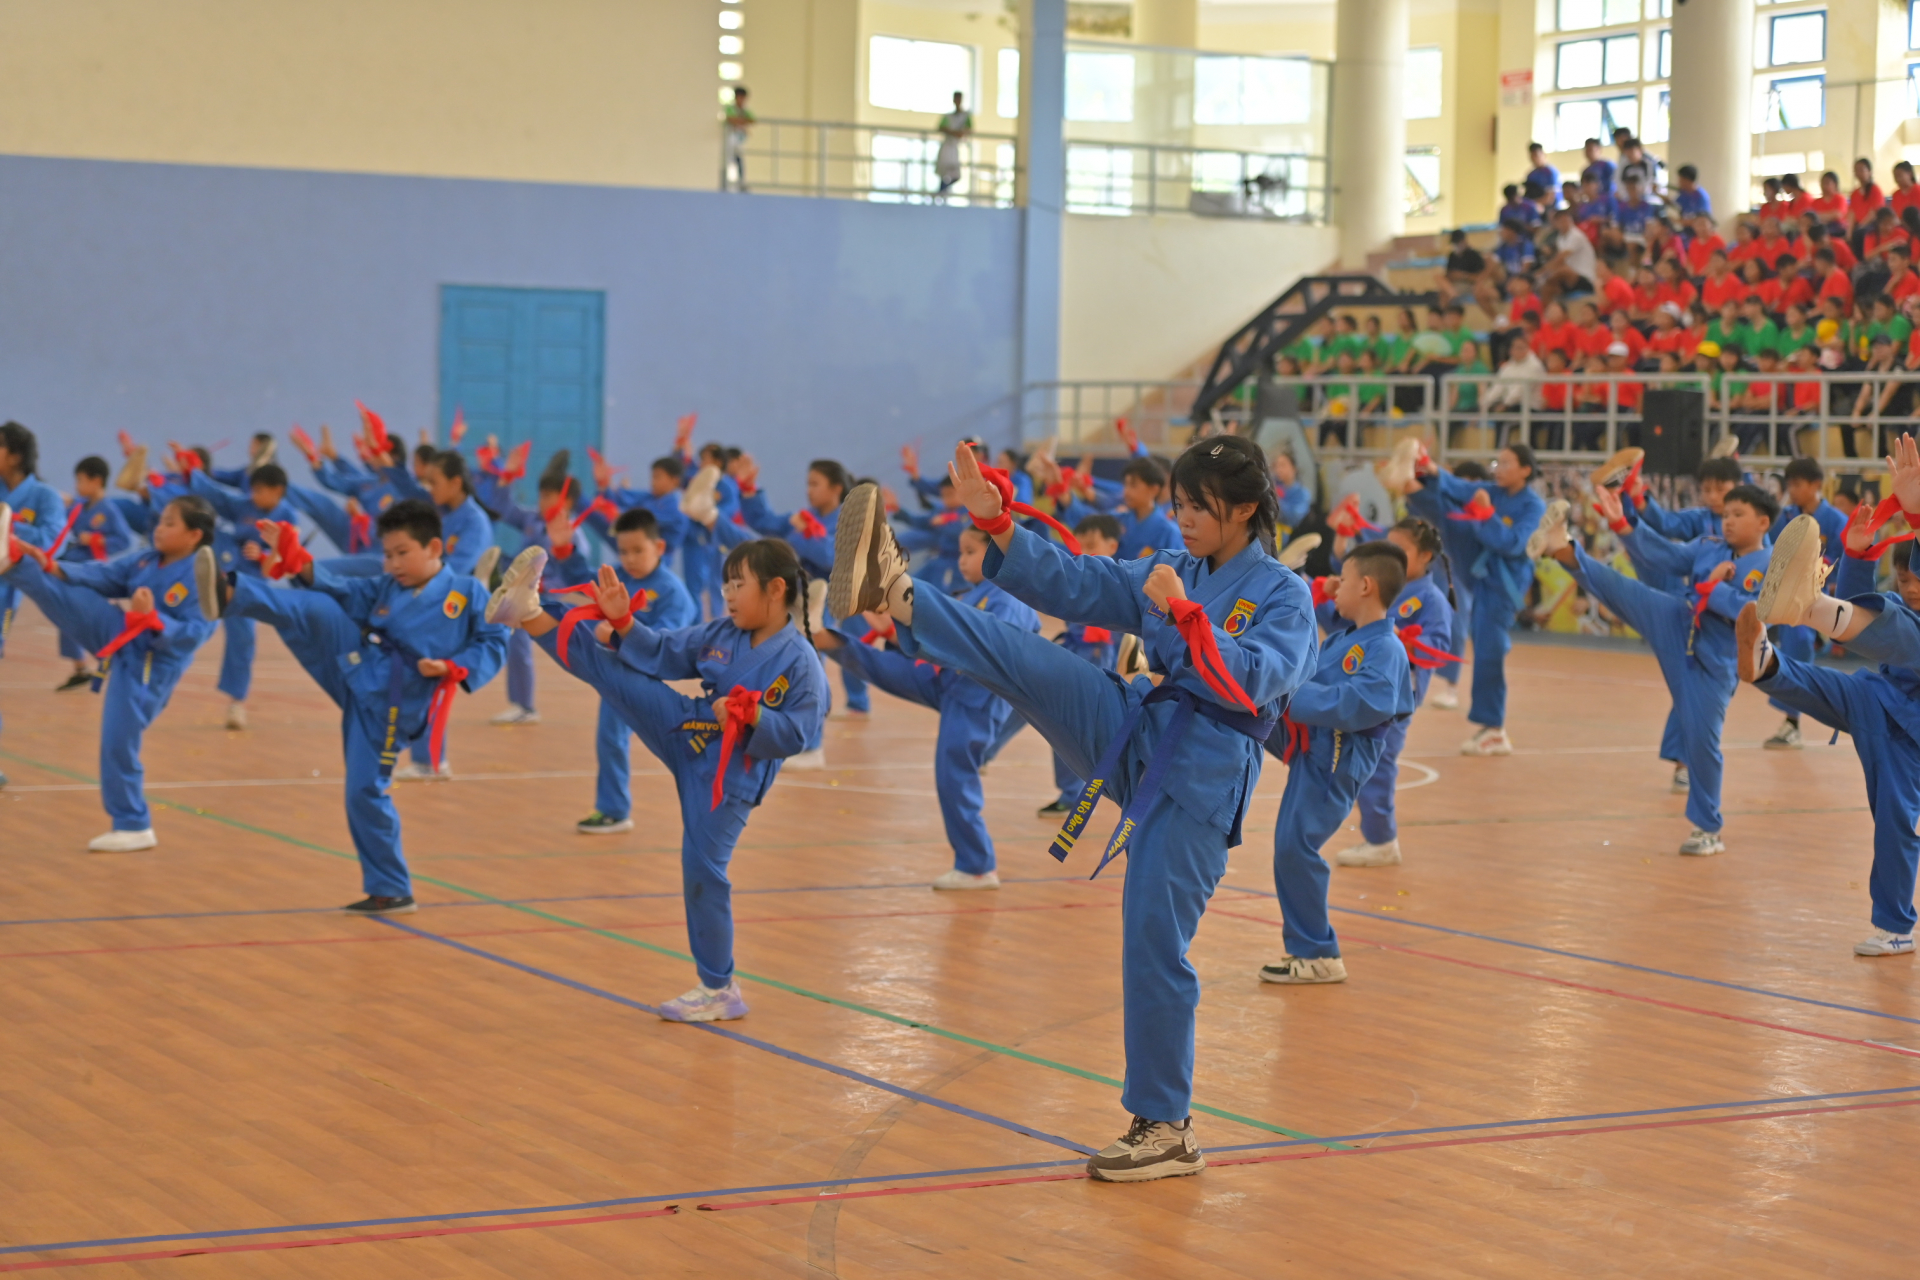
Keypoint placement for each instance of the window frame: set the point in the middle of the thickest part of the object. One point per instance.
(1773, 25)
(1774, 82)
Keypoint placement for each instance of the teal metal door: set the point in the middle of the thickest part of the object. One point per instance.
(525, 364)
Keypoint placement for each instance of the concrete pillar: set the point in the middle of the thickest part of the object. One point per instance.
(1367, 151)
(1041, 189)
(1713, 98)
(1169, 24)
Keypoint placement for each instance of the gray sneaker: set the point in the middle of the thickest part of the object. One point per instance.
(1682, 782)
(1305, 970)
(866, 558)
(1149, 1149)
(1785, 738)
(1702, 844)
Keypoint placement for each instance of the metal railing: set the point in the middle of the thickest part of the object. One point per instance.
(1126, 178)
(1575, 418)
(882, 163)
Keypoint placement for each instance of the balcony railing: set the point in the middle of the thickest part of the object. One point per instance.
(881, 163)
(1123, 178)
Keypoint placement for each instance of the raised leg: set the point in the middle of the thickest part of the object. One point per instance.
(84, 614)
(315, 629)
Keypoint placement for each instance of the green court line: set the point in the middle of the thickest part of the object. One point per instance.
(898, 1020)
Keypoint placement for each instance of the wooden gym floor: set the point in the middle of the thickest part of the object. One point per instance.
(1564, 1050)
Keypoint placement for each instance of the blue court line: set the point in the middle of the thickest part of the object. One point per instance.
(766, 1046)
(865, 1179)
(1617, 964)
(508, 902)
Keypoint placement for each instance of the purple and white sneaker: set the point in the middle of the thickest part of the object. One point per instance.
(707, 1004)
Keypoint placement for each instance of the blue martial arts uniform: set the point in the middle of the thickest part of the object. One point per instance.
(38, 516)
(361, 640)
(937, 531)
(703, 554)
(1360, 686)
(816, 557)
(100, 533)
(672, 522)
(532, 528)
(684, 735)
(1189, 810)
(971, 719)
(1799, 643)
(139, 677)
(1657, 572)
(1295, 500)
(1497, 573)
(1155, 531)
(1100, 647)
(237, 531)
(1694, 645)
(660, 601)
(1421, 603)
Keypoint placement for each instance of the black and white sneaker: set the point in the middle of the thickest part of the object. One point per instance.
(78, 680)
(380, 904)
(1752, 652)
(210, 585)
(1149, 1149)
(599, 824)
(866, 558)
(1057, 807)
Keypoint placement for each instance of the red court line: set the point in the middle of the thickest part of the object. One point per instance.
(675, 922)
(1603, 991)
(1319, 1153)
(262, 1246)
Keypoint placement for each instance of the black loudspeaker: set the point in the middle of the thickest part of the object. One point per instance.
(1673, 430)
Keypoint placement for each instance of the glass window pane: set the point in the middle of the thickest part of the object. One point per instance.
(1619, 113)
(1799, 37)
(1664, 69)
(1574, 123)
(1803, 102)
(1579, 64)
(1423, 181)
(917, 75)
(1913, 24)
(1099, 86)
(1007, 89)
(1623, 59)
(1656, 127)
(1423, 84)
(1619, 11)
(1913, 90)
(1579, 15)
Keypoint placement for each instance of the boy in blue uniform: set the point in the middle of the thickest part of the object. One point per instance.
(1805, 497)
(723, 748)
(660, 601)
(1145, 526)
(971, 717)
(1331, 736)
(390, 651)
(1879, 710)
(238, 547)
(810, 532)
(143, 651)
(38, 512)
(1693, 642)
(99, 532)
(1231, 629)
(662, 497)
(1423, 619)
(1497, 572)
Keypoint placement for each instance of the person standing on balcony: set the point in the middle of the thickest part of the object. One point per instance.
(955, 126)
(738, 120)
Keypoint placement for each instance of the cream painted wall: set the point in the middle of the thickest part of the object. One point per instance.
(803, 58)
(1146, 297)
(619, 92)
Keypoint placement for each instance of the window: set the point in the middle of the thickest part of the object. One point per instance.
(731, 46)
(1584, 15)
(1913, 87)
(1582, 64)
(1913, 24)
(1797, 102)
(1100, 87)
(1099, 179)
(1423, 84)
(730, 20)
(917, 75)
(1655, 124)
(1006, 103)
(1797, 37)
(1661, 61)
(1575, 122)
(1423, 181)
(1252, 90)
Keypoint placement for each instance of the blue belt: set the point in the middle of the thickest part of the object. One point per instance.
(1259, 728)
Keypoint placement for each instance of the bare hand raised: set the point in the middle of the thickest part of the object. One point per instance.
(615, 600)
(975, 493)
(1905, 466)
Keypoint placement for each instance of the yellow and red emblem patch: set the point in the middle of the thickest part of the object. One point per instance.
(456, 604)
(175, 593)
(776, 693)
(1409, 606)
(1351, 663)
(1237, 620)
(1753, 580)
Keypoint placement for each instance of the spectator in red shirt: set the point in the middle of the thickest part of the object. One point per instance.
(1591, 337)
(1720, 286)
(1628, 391)
(1885, 231)
(1833, 281)
(1661, 243)
(1615, 293)
(1906, 193)
(1773, 242)
(1817, 237)
(1806, 395)
(1557, 333)
(1829, 206)
(1902, 283)
(1867, 198)
(1673, 286)
(1703, 245)
(1621, 330)
(1795, 291)
(1553, 395)
(1745, 244)
(1794, 198)
(1668, 336)
(1765, 289)
(1645, 294)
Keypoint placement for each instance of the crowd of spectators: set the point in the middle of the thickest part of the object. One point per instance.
(1632, 281)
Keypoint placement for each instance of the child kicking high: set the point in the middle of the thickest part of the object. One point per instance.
(389, 651)
(723, 749)
(971, 717)
(143, 651)
(1332, 737)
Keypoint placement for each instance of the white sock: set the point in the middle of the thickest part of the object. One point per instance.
(1830, 617)
(900, 599)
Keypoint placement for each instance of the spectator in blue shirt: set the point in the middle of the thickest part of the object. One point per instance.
(1524, 212)
(1690, 196)
(1599, 168)
(1515, 251)
(1544, 175)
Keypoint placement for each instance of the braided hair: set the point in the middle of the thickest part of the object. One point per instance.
(1223, 472)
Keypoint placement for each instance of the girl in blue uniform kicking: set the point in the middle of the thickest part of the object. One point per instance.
(763, 699)
(1232, 631)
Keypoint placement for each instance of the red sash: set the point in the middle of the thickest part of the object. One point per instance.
(1009, 509)
(741, 703)
(1197, 630)
(135, 624)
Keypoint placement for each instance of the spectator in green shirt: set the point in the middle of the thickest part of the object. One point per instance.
(1465, 396)
(1726, 331)
(1399, 348)
(1761, 332)
(1886, 320)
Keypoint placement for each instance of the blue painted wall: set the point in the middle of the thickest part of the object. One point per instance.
(200, 303)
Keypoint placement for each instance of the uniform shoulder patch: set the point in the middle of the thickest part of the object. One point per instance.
(386, 500)
(1351, 663)
(176, 594)
(776, 693)
(455, 605)
(99, 519)
(1237, 620)
(1410, 606)
(644, 599)
(1753, 580)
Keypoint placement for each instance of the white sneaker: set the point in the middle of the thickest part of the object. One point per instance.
(1617, 466)
(1132, 660)
(1443, 695)
(133, 472)
(1298, 971)
(1753, 653)
(208, 583)
(1785, 738)
(518, 598)
(1370, 855)
(236, 715)
(1702, 844)
(1682, 781)
(408, 771)
(1725, 447)
(1295, 553)
(6, 539)
(814, 759)
(866, 557)
(1397, 472)
(957, 879)
(516, 714)
(707, 1004)
(1795, 573)
(123, 841)
(1551, 536)
(483, 567)
(696, 500)
(816, 606)
(1883, 943)
(1487, 742)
